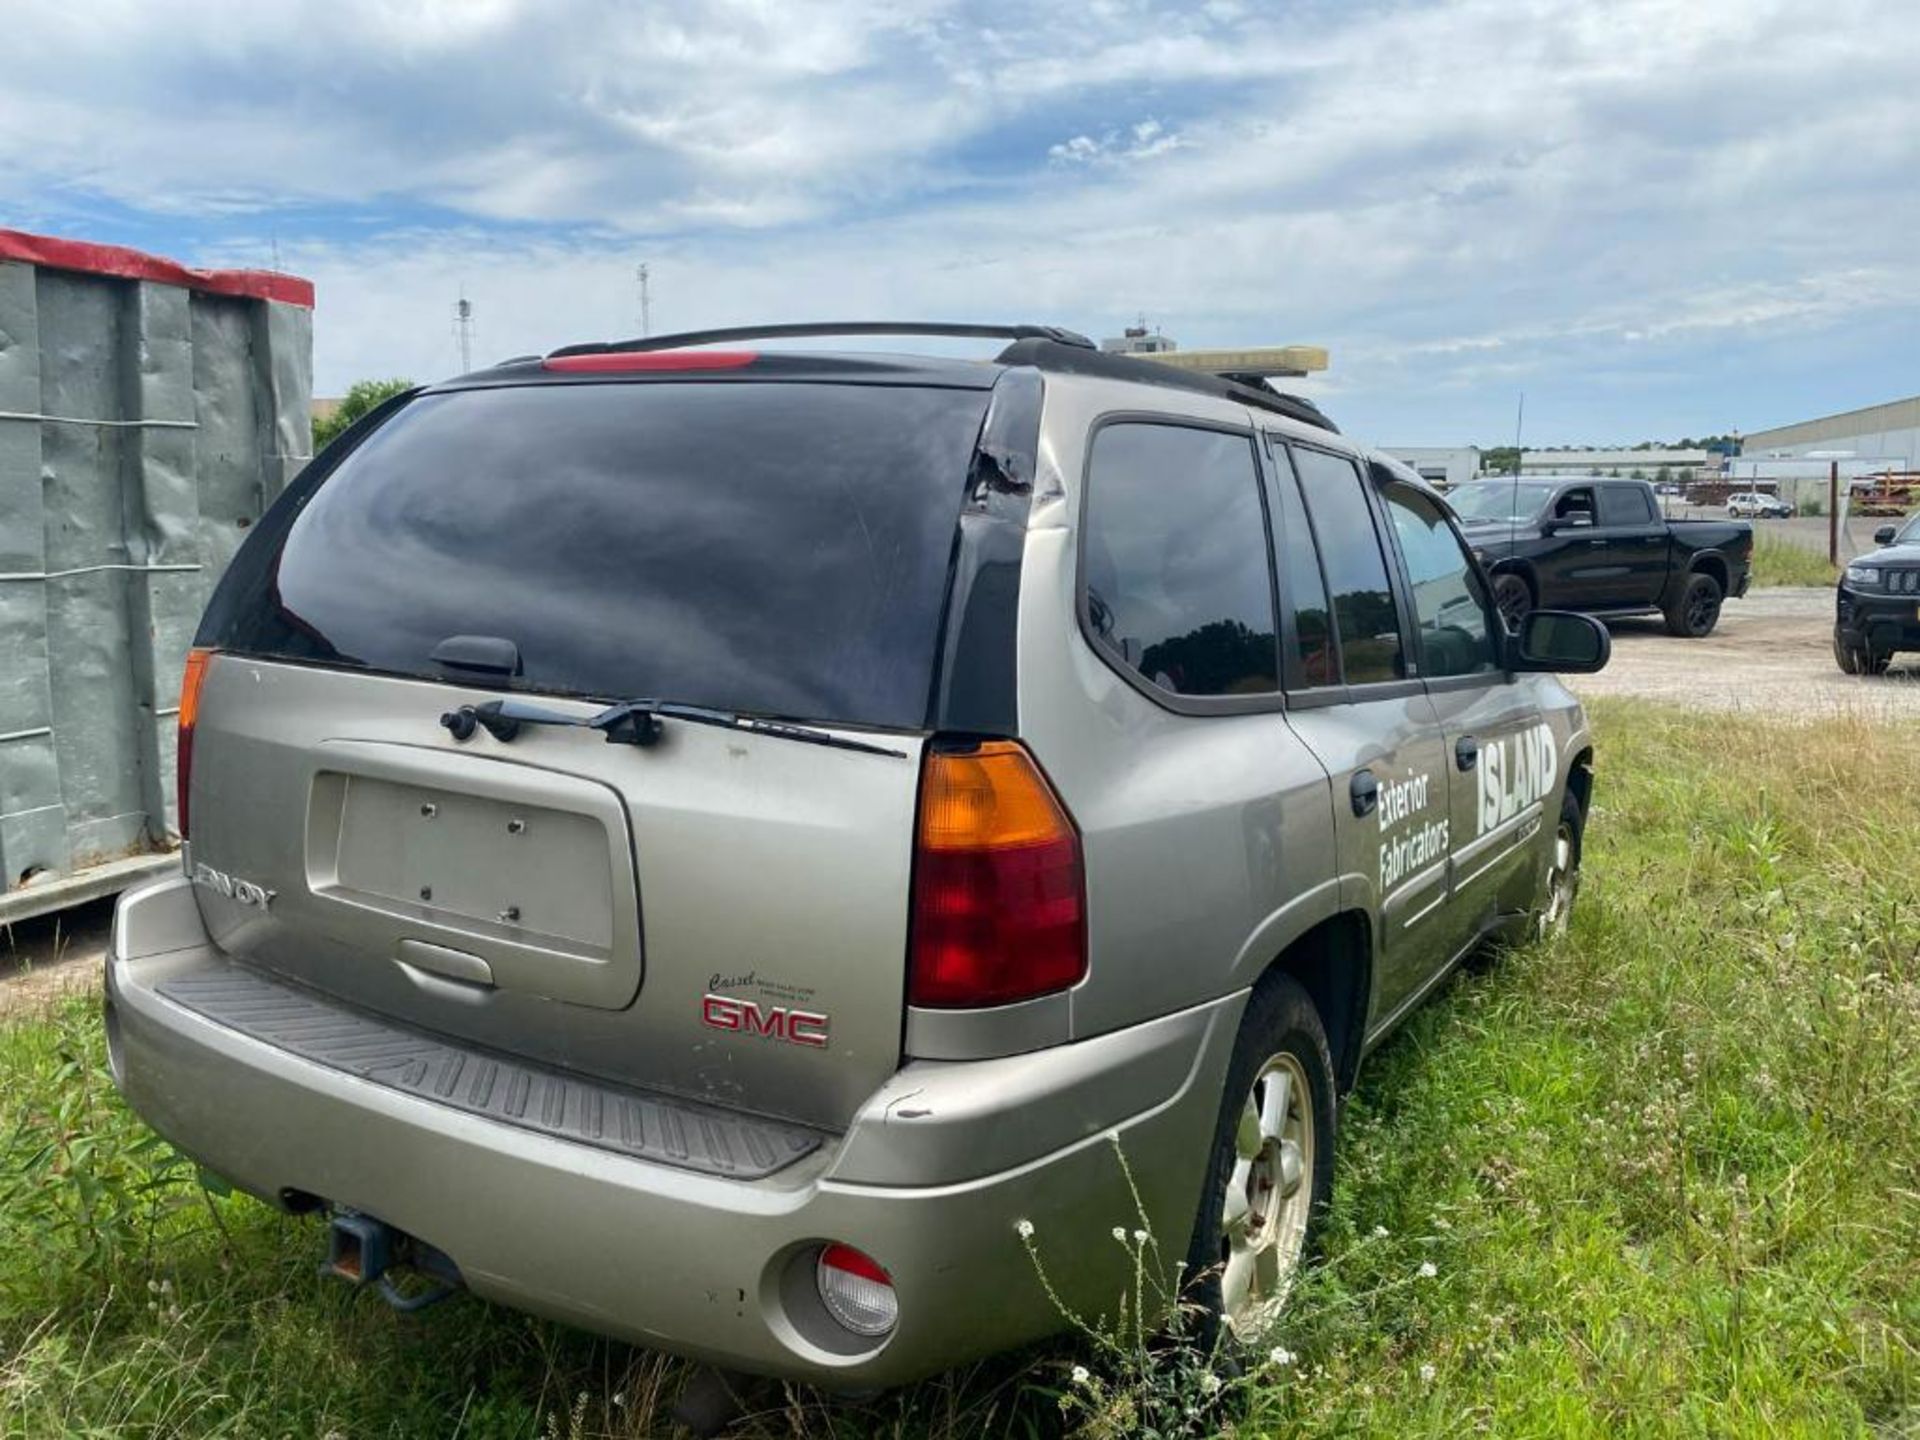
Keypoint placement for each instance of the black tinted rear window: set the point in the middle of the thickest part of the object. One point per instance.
(774, 548)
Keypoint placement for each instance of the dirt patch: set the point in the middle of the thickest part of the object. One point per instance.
(45, 959)
(1772, 654)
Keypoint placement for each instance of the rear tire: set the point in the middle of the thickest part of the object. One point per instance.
(1271, 1168)
(1694, 612)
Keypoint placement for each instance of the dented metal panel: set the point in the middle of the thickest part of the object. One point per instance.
(144, 426)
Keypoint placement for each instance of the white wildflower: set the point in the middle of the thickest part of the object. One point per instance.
(1082, 1375)
(1024, 1228)
(1379, 1232)
(1280, 1356)
(1427, 1372)
(1139, 1237)
(1210, 1383)
(1120, 1233)
(1428, 1270)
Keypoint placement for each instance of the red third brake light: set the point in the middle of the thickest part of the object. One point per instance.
(999, 910)
(190, 681)
(615, 362)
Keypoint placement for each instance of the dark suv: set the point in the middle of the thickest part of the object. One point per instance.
(1878, 605)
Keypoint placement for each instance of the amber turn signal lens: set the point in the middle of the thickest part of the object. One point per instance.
(999, 892)
(190, 682)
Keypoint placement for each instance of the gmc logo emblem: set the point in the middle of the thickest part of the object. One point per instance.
(795, 1027)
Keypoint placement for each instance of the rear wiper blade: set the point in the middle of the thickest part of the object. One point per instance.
(637, 722)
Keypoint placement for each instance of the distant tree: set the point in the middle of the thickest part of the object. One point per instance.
(1662, 476)
(1500, 460)
(362, 396)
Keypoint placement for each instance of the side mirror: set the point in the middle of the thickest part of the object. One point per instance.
(1579, 519)
(1884, 535)
(1559, 642)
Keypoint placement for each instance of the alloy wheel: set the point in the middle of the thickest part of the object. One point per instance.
(1562, 879)
(1263, 1222)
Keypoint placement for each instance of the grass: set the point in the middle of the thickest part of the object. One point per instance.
(1663, 1176)
(1777, 561)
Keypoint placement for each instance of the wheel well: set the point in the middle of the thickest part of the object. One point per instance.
(1715, 566)
(1580, 779)
(1333, 963)
(1524, 571)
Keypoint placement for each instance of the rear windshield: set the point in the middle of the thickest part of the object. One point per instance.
(781, 549)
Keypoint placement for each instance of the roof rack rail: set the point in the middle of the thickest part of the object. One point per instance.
(829, 328)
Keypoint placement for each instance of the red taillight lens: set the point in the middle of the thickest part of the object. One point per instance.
(999, 911)
(190, 681)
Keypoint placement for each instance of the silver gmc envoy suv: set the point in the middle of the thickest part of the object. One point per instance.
(710, 844)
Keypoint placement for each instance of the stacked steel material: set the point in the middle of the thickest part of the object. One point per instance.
(148, 414)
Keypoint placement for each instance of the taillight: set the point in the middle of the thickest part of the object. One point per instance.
(190, 681)
(999, 911)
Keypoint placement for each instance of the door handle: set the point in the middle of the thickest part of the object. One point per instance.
(1466, 752)
(1364, 791)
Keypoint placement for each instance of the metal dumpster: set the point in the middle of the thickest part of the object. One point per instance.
(148, 414)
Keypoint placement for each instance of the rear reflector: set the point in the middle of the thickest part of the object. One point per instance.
(619, 362)
(998, 890)
(856, 1291)
(190, 682)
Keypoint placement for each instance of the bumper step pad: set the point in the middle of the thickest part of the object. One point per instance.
(568, 1107)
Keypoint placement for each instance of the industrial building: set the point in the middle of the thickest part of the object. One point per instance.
(1439, 465)
(1681, 465)
(1888, 434)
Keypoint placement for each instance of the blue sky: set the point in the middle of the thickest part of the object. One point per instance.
(1655, 218)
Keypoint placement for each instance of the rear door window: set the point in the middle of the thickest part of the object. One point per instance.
(1178, 584)
(1364, 609)
(780, 549)
(1625, 505)
(1308, 653)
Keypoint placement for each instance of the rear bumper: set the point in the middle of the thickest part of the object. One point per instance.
(709, 1267)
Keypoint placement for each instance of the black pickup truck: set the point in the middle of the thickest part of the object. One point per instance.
(1582, 543)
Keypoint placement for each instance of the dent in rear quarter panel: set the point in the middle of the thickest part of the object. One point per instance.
(1208, 839)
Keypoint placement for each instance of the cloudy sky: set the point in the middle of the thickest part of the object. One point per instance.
(1654, 217)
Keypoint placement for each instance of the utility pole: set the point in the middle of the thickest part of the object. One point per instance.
(646, 307)
(463, 322)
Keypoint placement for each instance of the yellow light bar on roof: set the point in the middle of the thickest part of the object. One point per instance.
(1264, 360)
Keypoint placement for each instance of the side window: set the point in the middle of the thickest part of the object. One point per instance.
(1356, 568)
(1625, 505)
(1575, 506)
(1456, 636)
(1175, 563)
(1308, 652)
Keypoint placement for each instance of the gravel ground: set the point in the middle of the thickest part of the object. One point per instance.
(1772, 654)
(51, 956)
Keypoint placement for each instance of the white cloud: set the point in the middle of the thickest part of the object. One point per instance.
(1458, 197)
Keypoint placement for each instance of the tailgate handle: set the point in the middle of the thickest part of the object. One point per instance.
(427, 964)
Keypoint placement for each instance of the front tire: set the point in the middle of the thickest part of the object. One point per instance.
(1271, 1167)
(1696, 609)
(1563, 871)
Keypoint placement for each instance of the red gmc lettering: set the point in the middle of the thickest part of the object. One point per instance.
(795, 1027)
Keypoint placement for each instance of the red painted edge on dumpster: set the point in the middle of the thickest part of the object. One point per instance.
(117, 260)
